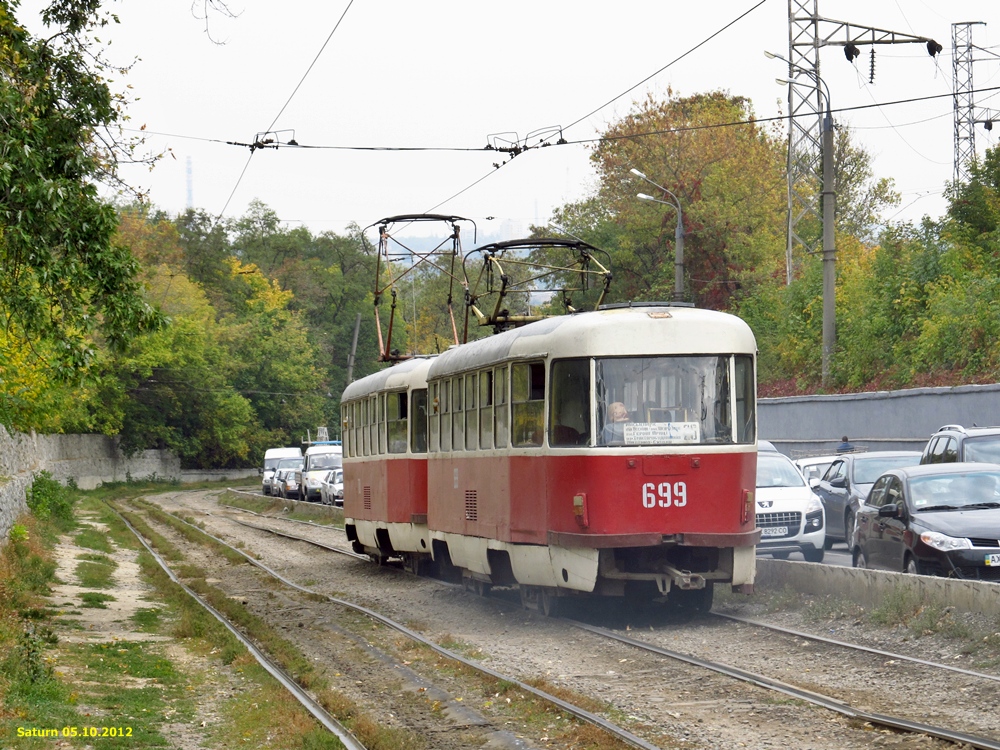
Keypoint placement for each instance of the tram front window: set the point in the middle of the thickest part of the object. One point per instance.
(664, 400)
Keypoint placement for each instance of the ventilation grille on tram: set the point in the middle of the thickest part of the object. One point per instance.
(471, 506)
(368, 498)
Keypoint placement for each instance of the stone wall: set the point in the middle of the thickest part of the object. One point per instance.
(89, 460)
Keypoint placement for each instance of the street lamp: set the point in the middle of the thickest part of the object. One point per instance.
(829, 212)
(678, 233)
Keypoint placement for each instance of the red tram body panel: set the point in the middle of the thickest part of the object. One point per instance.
(611, 452)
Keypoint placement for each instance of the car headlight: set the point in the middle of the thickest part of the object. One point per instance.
(944, 542)
(814, 504)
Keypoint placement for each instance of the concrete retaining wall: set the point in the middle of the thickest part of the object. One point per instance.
(216, 475)
(870, 588)
(883, 420)
(89, 460)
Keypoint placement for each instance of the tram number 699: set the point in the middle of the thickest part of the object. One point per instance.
(664, 494)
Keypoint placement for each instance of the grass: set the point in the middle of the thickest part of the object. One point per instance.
(121, 684)
(92, 538)
(96, 574)
(95, 599)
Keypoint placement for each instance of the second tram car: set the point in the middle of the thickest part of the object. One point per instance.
(609, 452)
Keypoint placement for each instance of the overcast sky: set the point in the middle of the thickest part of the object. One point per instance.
(448, 73)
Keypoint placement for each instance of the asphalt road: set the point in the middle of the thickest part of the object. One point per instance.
(839, 555)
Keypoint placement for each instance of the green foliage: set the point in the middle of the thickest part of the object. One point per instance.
(48, 499)
(728, 180)
(62, 277)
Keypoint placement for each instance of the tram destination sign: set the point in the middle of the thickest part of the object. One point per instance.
(655, 433)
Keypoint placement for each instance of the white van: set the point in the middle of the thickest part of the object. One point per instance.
(320, 458)
(271, 458)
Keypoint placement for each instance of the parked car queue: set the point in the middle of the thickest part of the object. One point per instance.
(935, 512)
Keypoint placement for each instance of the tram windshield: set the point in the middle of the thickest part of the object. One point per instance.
(674, 400)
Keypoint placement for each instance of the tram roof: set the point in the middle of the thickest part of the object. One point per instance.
(405, 374)
(636, 330)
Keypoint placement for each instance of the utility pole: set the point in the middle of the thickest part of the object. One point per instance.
(810, 140)
(966, 114)
(354, 349)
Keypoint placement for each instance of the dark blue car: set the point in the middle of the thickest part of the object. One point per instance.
(935, 519)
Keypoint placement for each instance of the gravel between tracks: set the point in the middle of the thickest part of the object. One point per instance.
(693, 708)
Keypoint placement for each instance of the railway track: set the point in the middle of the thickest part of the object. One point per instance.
(866, 716)
(497, 739)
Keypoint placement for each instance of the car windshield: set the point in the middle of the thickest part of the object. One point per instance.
(983, 449)
(774, 470)
(870, 468)
(325, 461)
(959, 490)
(289, 463)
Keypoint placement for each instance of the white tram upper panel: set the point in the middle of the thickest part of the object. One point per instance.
(621, 331)
(410, 373)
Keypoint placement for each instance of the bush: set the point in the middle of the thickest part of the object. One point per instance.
(48, 499)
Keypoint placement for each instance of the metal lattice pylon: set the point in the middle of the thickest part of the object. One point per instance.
(966, 114)
(807, 33)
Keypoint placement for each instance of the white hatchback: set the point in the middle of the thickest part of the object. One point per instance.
(789, 514)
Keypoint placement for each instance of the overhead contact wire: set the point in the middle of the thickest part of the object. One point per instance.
(675, 60)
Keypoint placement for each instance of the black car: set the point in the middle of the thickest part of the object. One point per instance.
(846, 484)
(941, 519)
(955, 443)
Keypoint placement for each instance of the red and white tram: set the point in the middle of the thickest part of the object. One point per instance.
(609, 452)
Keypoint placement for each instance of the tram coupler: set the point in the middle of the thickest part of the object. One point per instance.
(684, 580)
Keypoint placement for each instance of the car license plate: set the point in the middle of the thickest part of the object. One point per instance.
(783, 531)
(993, 560)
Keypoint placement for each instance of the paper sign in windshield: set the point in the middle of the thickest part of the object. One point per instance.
(658, 433)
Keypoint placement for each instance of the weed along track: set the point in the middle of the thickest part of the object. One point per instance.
(666, 701)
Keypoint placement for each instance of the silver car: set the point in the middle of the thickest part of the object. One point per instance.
(331, 488)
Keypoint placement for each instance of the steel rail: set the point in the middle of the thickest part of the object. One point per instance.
(856, 647)
(833, 704)
(286, 535)
(307, 701)
(582, 714)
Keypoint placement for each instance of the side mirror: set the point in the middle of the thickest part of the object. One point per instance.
(839, 482)
(814, 482)
(888, 511)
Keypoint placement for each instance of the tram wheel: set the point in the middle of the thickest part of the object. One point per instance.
(482, 588)
(549, 603)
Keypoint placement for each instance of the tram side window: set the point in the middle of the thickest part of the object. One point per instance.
(446, 408)
(457, 416)
(346, 423)
(528, 403)
(746, 416)
(501, 415)
(396, 420)
(569, 398)
(471, 413)
(364, 427)
(381, 423)
(434, 417)
(418, 422)
(486, 409)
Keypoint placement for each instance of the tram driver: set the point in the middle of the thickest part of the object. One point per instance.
(614, 430)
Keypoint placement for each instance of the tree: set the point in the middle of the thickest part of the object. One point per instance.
(62, 276)
(728, 174)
